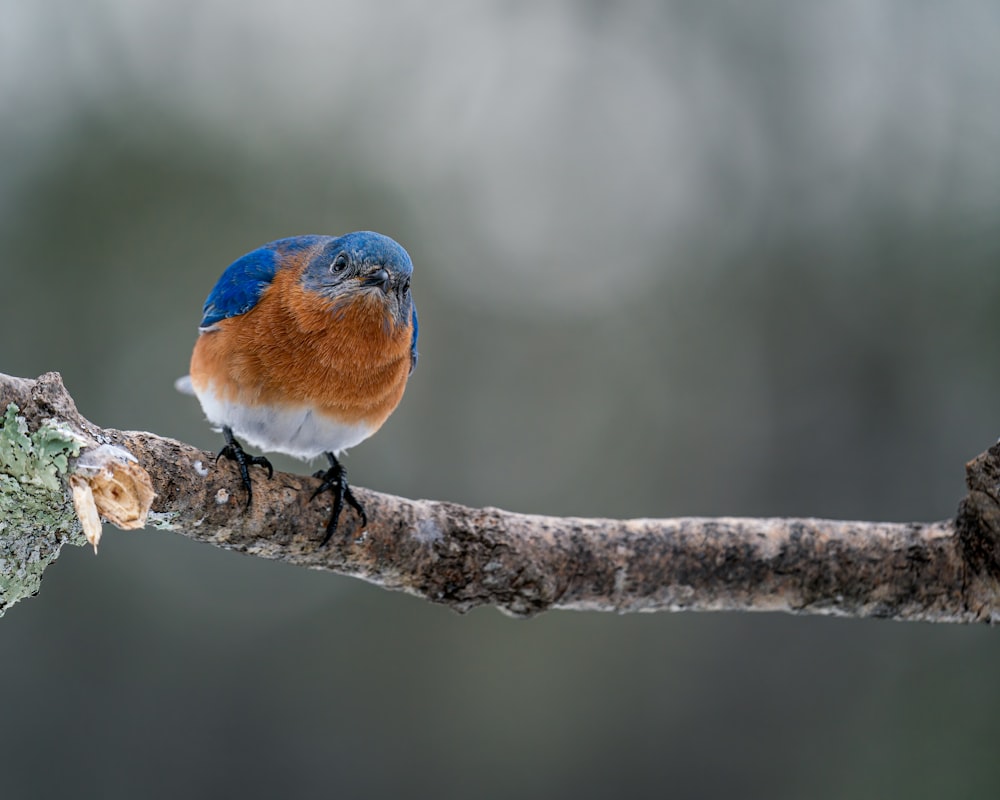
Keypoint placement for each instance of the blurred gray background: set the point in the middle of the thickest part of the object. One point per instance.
(671, 259)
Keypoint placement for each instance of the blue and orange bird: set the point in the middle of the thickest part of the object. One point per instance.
(304, 348)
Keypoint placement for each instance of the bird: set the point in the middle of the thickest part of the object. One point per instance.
(304, 348)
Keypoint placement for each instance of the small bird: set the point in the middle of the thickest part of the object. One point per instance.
(304, 348)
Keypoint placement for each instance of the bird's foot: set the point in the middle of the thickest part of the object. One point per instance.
(335, 480)
(234, 452)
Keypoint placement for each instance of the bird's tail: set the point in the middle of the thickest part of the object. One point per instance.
(183, 385)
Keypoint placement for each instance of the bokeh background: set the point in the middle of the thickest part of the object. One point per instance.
(671, 259)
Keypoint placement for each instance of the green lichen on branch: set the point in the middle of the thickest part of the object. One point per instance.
(36, 514)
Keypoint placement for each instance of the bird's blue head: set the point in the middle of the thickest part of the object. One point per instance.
(363, 263)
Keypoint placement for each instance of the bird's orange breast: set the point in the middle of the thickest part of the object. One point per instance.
(294, 348)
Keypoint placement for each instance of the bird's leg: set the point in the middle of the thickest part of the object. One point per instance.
(335, 480)
(234, 452)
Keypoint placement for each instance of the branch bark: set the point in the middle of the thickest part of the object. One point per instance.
(523, 564)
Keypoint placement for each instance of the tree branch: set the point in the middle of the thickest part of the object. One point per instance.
(465, 557)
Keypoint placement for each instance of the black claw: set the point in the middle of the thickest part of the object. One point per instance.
(335, 480)
(234, 452)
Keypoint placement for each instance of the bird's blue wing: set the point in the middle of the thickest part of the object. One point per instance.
(245, 280)
(240, 286)
(413, 341)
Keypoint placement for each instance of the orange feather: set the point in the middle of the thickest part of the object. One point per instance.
(348, 361)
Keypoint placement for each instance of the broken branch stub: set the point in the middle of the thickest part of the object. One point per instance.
(108, 482)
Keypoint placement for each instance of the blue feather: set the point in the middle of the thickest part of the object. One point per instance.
(413, 341)
(244, 281)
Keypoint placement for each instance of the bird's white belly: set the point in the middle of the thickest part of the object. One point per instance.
(294, 430)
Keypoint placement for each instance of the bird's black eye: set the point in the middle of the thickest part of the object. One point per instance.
(339, 263)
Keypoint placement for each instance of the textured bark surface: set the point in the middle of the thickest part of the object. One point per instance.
(524, 564)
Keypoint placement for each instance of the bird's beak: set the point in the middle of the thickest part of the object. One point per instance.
(379, 278)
